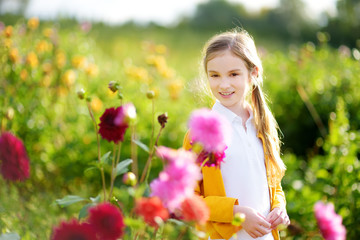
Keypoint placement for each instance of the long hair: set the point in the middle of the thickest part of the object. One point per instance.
(242, 45)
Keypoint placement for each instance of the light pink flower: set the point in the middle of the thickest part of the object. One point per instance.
(179, 178)
(329, 222)
(209, 129)
(125, 115)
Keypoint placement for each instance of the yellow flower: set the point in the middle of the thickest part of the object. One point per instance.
(161, 49)
(7, 42)
(23, 74)
(62, 91)
(78, 62)
(47, 67)
(92, 70)
(32, 60)
(138, 73)
(48, 32)
(8, 31)
(14, 55)
(33, 23)
(69, 77)
(167, 73)
(175, 88)
(46, 81)
(43, 46)
(96, 104)
(60, 59)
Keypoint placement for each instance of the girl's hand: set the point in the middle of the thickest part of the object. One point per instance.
(255, 224)
(278, 216)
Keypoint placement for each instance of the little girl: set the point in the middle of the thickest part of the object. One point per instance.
(249, 179)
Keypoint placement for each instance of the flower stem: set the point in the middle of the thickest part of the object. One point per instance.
(98, 146)
(113, 168)
(147, 167)
(134, 166)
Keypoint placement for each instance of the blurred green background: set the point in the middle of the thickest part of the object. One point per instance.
(312, 74)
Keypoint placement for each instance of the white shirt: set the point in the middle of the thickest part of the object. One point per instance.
(243, 169)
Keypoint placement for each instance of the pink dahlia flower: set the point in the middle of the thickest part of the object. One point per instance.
(107, 221)
(209, 129)
(179, 178)
(14, 162)
(109, 130)
(329, 222)
(73, 230)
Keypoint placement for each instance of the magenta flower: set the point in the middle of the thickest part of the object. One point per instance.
(107, 221)
(329, 222)
(14, 162)
(179, 178)
(211, 159)
(73, 230)
(109, 130)
(209, 129)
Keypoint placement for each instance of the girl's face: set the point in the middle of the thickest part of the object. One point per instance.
(229, 80)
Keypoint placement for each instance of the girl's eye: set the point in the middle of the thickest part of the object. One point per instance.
(214, 75)
(234, 74)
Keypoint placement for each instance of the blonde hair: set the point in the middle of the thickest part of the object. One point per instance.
(242, 45)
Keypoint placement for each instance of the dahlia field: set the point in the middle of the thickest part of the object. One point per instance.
(93, 118)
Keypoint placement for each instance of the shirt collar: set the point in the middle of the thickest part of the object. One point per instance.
(227, 113)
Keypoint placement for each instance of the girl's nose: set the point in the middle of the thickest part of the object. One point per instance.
(224, 83)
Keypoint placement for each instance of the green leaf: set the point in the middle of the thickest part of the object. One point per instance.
(84, 211)
(177, 222)
(9, 236)
(134, 223)
(141, 145)
(90, 169)
(105, 158)
(95, 200)
(68, 200)
(121, 168)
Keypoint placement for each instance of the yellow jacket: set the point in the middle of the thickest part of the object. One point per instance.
(211, 188)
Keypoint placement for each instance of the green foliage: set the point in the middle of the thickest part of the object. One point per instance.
(333, 176)
(59, 136)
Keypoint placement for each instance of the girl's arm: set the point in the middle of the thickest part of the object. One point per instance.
(221, 208)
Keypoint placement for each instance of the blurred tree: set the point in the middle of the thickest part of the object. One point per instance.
(14, 6)
(218, 14)
(344, 28)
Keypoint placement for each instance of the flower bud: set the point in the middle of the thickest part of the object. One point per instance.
(239, 218)
(113, 86)
(162, 119)
(150, 94)
(10, 113)
(120, 95)
(81, 93)
(129, 178)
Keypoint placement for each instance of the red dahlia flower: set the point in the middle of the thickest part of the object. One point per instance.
(107, 221)
(73, 230)
(111, 130)
(150, 208)
(195, 209)
(14, 162)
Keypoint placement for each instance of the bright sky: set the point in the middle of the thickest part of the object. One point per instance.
(160, 11)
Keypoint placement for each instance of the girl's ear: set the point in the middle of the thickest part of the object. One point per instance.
(255, 72)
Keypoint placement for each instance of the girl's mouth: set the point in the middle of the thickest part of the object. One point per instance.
(226, 94)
